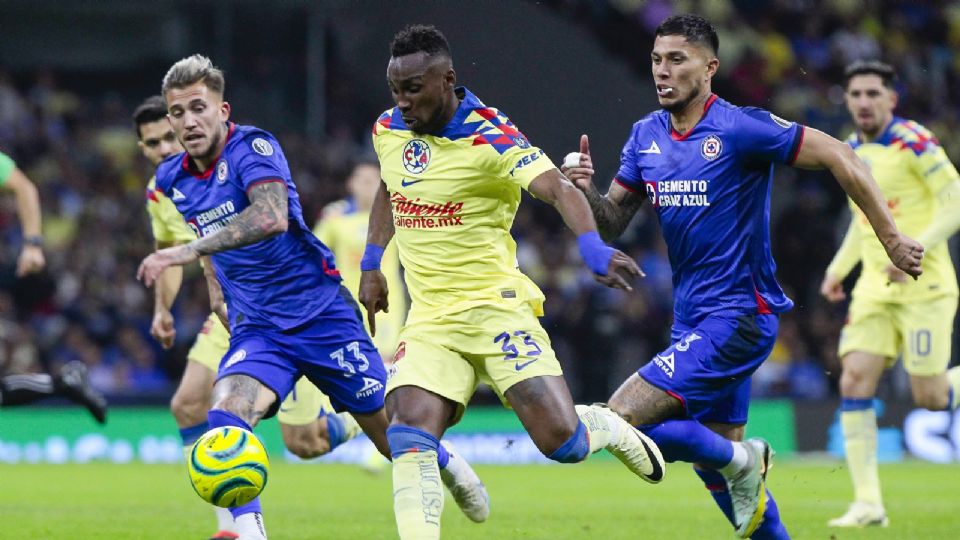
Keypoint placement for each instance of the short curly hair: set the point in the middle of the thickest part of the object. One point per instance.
(419, 38)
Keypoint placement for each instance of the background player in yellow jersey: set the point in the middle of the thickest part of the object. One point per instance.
(71, 382)
(343, 228)
(891, 315)
(307, 427)
(452, 171)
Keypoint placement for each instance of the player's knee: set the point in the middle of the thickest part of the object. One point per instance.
(306, 449)
(189, 409)
(855, 383)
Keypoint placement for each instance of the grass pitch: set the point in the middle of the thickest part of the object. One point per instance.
(594, 500)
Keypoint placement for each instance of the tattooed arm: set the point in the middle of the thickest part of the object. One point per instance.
(614, 211)
(264, 218)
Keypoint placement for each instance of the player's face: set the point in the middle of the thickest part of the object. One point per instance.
(870, 103)
(422, 87)
(363, 184)
(198, 116)
(681, 71)
(158, 141)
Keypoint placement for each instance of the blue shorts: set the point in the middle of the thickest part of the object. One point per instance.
(709, 365)
(333, 351)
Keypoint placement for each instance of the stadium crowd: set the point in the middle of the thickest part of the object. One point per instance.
(784, 56)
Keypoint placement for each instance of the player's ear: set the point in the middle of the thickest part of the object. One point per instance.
(450, 78)
(712, 65)
(894, 99)
(225, 111)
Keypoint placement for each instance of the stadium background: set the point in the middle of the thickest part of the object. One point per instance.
(313, 74)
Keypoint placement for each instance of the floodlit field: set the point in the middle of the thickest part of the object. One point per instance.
(310, 501)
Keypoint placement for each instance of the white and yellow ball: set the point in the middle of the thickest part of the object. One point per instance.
(228, 466)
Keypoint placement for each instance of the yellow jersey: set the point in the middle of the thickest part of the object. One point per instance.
(343, 229)
(911, 168)
(454, 196)
(165, 221)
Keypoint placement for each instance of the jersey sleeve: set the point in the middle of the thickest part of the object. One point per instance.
(7, 166)
(629, 175)
(260, 160)
(762, 136)
(165, 221)
(518, 160)
(934, 167)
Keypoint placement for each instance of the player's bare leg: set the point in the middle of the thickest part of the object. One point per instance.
(241, 401)
(418, 418)
(568, 434)
(734, 471)
(858, 386)
(189, 406)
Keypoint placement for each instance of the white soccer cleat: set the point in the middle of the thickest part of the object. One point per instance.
(465, 486)
(861, 514)
(634, 449)
(748, 491)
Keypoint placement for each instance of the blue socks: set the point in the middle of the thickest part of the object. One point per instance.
(575, 449)
(406, 439)
(189, 435)
(690, 441)
(336, 430)
(219, 418)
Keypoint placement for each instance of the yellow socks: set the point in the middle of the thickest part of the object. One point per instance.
(860, 443)
(953, 377)
(417, 495)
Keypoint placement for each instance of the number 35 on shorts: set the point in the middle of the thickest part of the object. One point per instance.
(513, 342)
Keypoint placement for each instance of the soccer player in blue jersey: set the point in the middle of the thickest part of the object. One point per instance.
(288, 314)
(706, 167)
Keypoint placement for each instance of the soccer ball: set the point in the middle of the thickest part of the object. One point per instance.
(228, 466)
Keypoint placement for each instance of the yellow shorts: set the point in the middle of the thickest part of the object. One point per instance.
(303, 404)
(388, 331)
(449, 356)
(920, 332)
(211, 344)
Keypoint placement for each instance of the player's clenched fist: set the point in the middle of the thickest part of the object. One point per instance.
(373, 295)
(906, 254)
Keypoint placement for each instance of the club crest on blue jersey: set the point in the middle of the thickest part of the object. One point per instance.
(416, 156)
(711, 147)
(262, 146)
(221, 172)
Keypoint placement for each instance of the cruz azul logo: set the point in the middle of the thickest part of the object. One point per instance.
(416, 156)
(417, 214)
(711, 147)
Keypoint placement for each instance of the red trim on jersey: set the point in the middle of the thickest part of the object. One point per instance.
(263, 181)
(329, 271)
(678, 397)
(624, 186)
(796, 151)
(152, 195)
(762, 307)
(205, 175)
(675, 135)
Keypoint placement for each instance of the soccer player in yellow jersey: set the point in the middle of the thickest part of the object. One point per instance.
(891, 315)
(452, 171)
(307, 422)
(342, 227)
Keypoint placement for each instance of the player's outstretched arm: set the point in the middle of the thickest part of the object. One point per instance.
(609, 266)
(373, 284)
(28, 209)
(612, 212)
(264, 218)
(821, 151)
(164, 293)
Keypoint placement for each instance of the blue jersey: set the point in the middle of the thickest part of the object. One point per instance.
(711, 190)
(284, 281)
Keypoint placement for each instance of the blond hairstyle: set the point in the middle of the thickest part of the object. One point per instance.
(192, 69)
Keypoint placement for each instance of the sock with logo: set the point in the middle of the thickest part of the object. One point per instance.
(188, 436)
(859, 421)
(417, 488)
(692, 442)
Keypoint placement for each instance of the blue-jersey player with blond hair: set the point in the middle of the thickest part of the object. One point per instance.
(891, 315)
(452, 171)
(233, 187)
(706, 167)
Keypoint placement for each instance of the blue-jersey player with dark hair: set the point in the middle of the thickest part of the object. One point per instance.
(706, 167)
(289, 315)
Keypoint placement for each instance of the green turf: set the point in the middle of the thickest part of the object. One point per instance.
(534, 502)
